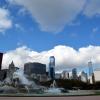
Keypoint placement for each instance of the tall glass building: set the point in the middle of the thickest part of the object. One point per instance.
(90, 68)
(52, 68)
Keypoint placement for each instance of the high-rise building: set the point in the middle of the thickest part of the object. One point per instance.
(65, 75)
(97, 74)
(34, 68)
(74, 73)
(1, 57)
(57, 75)
(83, 76)
(90, 68)
(91, 77)
(52, 68)
(36, 71)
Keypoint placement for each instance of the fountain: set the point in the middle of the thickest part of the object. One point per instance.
(20, 80)
(26, 87)
(54, 89)
(21, 85)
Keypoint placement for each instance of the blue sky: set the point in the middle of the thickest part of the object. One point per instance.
(66, 29)
(80, 32)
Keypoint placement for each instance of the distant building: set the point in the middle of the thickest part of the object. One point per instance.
(1, 57)
(8, 73)
(52, 68)
(91, 77)
(3, 74)
(57, 75)
(65, 75)
(36, 68)
(83, 76)
(74, 73)
(97, 74)
(90, 68)
(36, 71)
(11, 70)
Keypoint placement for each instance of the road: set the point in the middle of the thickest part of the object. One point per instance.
(52, 98)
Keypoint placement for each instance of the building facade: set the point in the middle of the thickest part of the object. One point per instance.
(97, 74)
(65, 75)
(91, 77)
(52, 68)
(11, 70)
(74, 74)
(90, 68)
(1, 57)
(58, 76)
(83, 77)
(36, 71)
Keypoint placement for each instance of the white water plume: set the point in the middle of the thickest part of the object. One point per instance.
(19, 74)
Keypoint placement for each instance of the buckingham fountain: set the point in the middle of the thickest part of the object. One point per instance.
(21, 85)
(53, 89)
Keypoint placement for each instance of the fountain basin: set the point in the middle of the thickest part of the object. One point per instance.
(56, 90)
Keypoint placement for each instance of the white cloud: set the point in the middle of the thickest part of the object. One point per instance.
(52, 15)
(92, 8)
(65, 56)
(5, 21)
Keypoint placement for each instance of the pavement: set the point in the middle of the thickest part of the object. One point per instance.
(53, 98)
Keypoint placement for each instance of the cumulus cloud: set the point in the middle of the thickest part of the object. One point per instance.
(65, 56)
(52, 15)
(97, 75)
(92, 8)
(5, 21)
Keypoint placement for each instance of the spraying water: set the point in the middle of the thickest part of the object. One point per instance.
(19, 74)
(53, 88)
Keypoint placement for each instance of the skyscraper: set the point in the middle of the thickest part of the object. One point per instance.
(52, 68)
(91, 73)
(34, 68)
(1, 56)
(74, 73)
(65, 75)
(83, 76)
(90, 68)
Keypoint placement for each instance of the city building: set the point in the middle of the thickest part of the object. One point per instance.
(65, 75)
(83, 77)
(91, 77)
(11, 70)
(74, 73)
(36, 71)
(90, 68)
(8, 73)
(1, 57)
(57, 75)
(52, 68)
(3, 74)
(97, 74)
